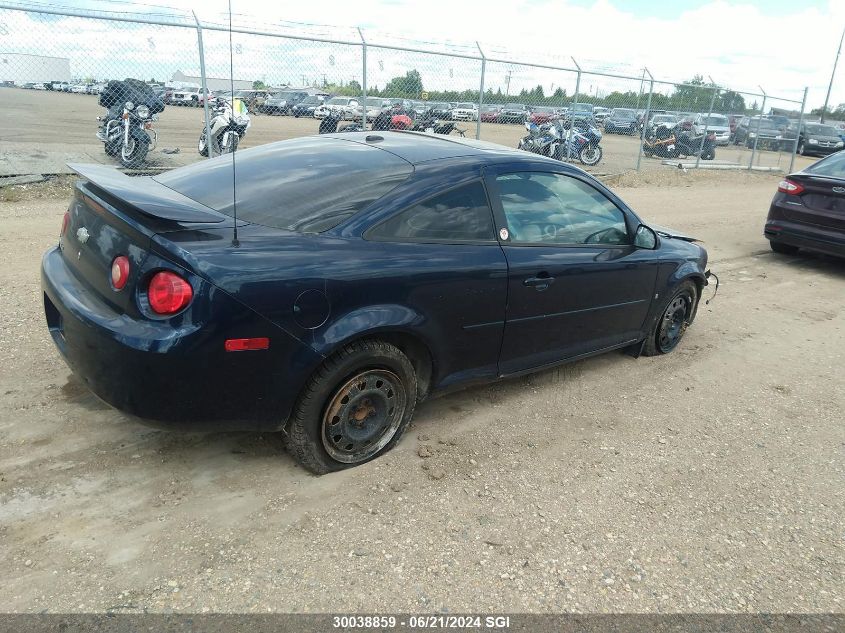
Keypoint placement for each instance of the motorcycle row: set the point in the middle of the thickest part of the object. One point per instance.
(126, 131)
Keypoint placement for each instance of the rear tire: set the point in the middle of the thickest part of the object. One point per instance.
(783, 249)
(590, 155)
(354, 408)
(676, 314)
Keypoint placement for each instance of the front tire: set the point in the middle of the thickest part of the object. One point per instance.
(675, 317)
(133, 155)
(354, 408)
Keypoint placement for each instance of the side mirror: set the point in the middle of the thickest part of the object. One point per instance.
(645, 238)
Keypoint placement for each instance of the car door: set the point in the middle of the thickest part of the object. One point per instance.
(576, 281)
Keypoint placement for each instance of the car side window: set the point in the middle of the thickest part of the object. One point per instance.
(546, 208)
(460, 215)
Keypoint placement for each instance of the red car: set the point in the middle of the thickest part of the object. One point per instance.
(490, 113)
(540, 115)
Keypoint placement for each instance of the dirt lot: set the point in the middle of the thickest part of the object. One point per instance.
(41, 131)
(707, 480)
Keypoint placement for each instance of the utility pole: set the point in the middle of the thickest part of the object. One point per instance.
(830, 85)
(508, 83)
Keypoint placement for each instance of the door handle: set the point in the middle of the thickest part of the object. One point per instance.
(541, 282)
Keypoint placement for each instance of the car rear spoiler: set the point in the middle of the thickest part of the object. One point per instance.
(146, 195)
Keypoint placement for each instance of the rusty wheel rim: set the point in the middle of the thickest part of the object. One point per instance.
(363, 416)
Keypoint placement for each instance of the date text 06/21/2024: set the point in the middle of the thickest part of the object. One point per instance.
(422, 621)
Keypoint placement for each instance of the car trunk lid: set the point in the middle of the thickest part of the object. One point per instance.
(114, 215)
(822, 202)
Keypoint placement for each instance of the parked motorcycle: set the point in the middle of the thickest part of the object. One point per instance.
(673, 142)
(228, 123)
(127, 129)
(552, 140)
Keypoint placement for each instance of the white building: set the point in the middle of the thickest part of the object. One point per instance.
(22, 68)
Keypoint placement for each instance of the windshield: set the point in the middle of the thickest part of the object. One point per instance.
(376, 102)
(317, 183)
(491, 108)
(663, 119)
(467, 106)
(822, 130)
(310, 101)
(515, 106)
(582, 107)
(765, 124)
(338, 101)
(243, 93)
(621, 113)
(716, 119)
(284, 95)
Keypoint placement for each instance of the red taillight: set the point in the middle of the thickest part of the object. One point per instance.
(790, 187)
(246, 344)
(119, 272)
(168, 293)
(65, 222)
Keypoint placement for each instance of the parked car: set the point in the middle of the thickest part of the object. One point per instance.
(600, 114)
(666, 120)
(465, 112)
(440, 110)
(375, 106)
(581, 111)
(543, 114)
(346, 107)
(282, 102)
(622, 121)
(80, 89)
(808, 210)
(490, 112)
(253, 99)
(766, 129)
(39, 86)
(337, 313)
(308, 105)
(716, 123)
(185, 97)
(734, 119)
(514, 113)
(815, 139)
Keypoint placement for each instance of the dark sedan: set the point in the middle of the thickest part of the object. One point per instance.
(815, 139)
(622, 121)
(808, 210)
(368, 271)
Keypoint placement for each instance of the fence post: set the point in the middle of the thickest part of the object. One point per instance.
(363, 80)
(208, 142)
(640, 93)
(574, 101)
(480, 91)
(645, 117)
(757, 132)
(798, 132)
(706, 124)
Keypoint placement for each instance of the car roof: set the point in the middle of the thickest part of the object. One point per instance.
(418, 147)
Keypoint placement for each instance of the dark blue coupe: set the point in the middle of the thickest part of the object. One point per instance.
(367, 272)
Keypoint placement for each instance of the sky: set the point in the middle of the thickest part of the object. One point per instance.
(781, 45)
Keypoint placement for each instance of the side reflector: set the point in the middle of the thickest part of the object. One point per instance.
(246, 344)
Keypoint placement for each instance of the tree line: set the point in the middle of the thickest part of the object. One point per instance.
(692, 96)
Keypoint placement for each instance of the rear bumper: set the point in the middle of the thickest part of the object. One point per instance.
(806, 236)
(172, 374)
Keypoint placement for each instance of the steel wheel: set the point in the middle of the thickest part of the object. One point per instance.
(674, 323)
(363, 415)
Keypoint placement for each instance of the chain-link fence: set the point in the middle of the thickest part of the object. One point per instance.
(288, 80)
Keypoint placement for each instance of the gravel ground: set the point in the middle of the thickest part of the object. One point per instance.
(709, 480)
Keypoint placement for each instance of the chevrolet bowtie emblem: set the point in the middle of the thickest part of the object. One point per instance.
(82, 235)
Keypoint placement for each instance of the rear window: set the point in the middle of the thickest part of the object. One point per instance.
(716, 119)
(621, 113)
(307, 184)
(833, 166)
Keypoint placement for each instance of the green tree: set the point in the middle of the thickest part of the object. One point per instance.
(355, 88)
(409, 86)
(258, 85)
